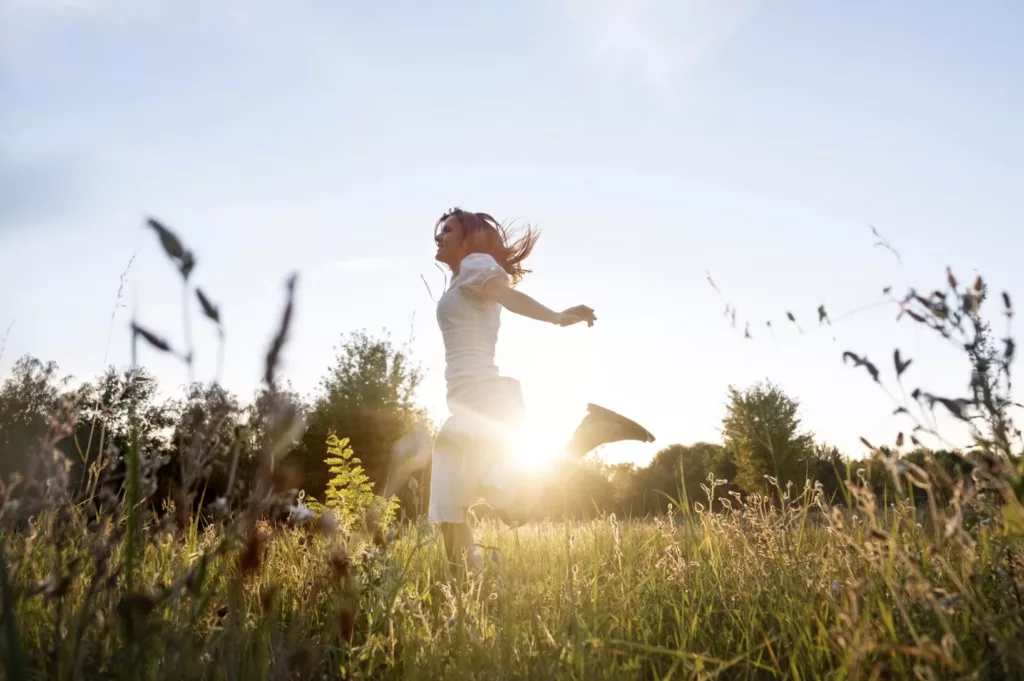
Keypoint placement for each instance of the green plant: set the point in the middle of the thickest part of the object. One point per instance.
(349, 493)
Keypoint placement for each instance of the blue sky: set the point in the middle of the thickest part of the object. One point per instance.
(651, 141)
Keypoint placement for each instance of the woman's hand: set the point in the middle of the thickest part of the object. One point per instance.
(575, 315)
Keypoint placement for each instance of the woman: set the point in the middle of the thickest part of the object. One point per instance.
(473, 451)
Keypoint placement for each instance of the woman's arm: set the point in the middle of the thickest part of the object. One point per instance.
(521, 304)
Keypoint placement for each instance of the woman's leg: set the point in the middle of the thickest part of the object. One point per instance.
(458, 537)
(448, 537)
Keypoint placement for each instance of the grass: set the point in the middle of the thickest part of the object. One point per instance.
(779, 587)
(761, 591)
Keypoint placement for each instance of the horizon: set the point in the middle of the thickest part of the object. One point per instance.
(653, 143)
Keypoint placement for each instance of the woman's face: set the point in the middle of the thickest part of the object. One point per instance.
(450, 244)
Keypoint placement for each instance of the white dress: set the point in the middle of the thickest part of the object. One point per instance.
(473, 451)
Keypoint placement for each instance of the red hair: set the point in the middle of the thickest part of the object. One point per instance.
(509, 247)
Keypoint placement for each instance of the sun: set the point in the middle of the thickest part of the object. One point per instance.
(537, 447)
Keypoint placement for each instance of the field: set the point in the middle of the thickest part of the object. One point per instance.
(763, 591)
(912, 568)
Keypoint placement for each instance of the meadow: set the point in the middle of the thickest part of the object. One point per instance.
(769, 590)
(921, 580)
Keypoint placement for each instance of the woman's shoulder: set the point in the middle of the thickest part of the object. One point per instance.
(478, 269)
(479, 261)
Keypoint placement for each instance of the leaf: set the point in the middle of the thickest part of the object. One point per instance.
(1010, 347)
(867, 444)
(746, 333)
(950, 279)
(188, 263)
(899, 439)
(915, 441)
(277, 344)
(901, 366)
(1006, 302)
(978, 284)
(953, 406)
(862, 362)
(887, 290)
(913, 315)
(789, 315)
(916, 394)
(823, 315)
(151, 338)
(171, 243)
(900, 410)
(209, 309)
(710, 281)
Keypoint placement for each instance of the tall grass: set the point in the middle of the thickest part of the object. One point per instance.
(768, 587)
(761, 591)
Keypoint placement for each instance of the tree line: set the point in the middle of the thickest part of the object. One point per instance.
(208, 435)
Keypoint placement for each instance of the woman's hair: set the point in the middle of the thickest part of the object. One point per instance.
(509, 247)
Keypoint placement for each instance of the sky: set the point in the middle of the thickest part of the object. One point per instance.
(652, 141)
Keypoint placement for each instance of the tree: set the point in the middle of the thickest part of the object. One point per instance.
(676, 473)
(369, 396)
(28, 398)
(623, 478)
(827, 465)
(761, 433)
(98, 446)
(208, 439)
(103, 423)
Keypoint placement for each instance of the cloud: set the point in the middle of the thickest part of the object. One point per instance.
(658, 40)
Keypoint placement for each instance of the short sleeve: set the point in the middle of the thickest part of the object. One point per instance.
(478, 269)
